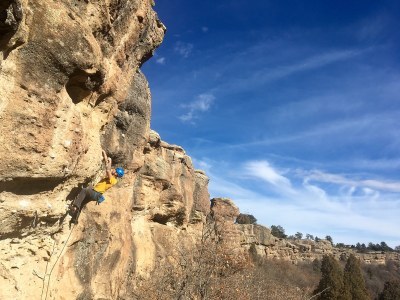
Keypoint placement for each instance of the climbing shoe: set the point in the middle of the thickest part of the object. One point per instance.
(74, 211)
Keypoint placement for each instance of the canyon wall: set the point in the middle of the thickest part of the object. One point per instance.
(258, 239)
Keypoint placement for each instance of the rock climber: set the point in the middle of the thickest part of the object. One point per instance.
(96, 193)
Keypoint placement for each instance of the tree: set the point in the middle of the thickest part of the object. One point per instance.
(358, 246)
(363, 248)
(353, 281)
(298, 235)
(311, 237)
(374, 247)
(317, 239)
(397, 248)
(278, 231)
(246, 219)
(331, 284)
(198, 271)
(391, 291)
(329, 238)
(385, 247)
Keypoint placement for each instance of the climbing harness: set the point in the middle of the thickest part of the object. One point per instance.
(52, 268)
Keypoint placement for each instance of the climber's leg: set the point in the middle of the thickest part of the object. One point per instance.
(85, 195)
(79, 199)
(75, 206)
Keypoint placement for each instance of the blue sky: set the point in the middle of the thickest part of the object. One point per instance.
(291, 107)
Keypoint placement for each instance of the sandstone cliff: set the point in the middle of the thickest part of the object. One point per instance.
(258, 238)
(70, 85)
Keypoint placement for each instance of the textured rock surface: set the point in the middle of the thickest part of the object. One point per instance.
(146, 218)
(167, 187)
(126, 136)
(224, 213)
(268, 246)
(65, 67)
(241, 237)
(70, 85)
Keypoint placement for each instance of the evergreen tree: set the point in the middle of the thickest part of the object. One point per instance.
(329, 238)
(363, 248)
(246, 219)
(391, 291)
(298, 235)
(358, 246)
(331, 281)
(278, 231)
(353, 281)
(385, 247)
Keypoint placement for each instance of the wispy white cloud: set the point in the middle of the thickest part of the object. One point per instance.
(355, 129)
(264, 171)
(355, 213)
(309, 63)
(204, 29)
(183, 49)
(366, 184)
(160, 60)
(268, 70)
(201, 104)
(326, 107)
(376, 164)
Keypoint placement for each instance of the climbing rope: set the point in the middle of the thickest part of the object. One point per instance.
(51, 270)
(62, 250)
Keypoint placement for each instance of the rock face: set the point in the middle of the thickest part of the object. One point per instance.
(297, 251)
(243, 236)
(224, 212)
(144, 220)
(126, 135)
(70, 85)
(147, 217)
(66, 67)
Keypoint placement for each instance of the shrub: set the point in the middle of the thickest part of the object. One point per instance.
(391, 291)
(246, 219)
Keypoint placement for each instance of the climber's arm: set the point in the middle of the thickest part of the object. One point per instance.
(107, 161)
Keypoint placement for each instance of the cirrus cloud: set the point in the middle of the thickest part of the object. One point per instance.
(183, 49)
(201, 104)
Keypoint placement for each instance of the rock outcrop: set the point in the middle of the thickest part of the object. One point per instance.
(70, 86)
(67, 71)
(260, 239)
(144, 220)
